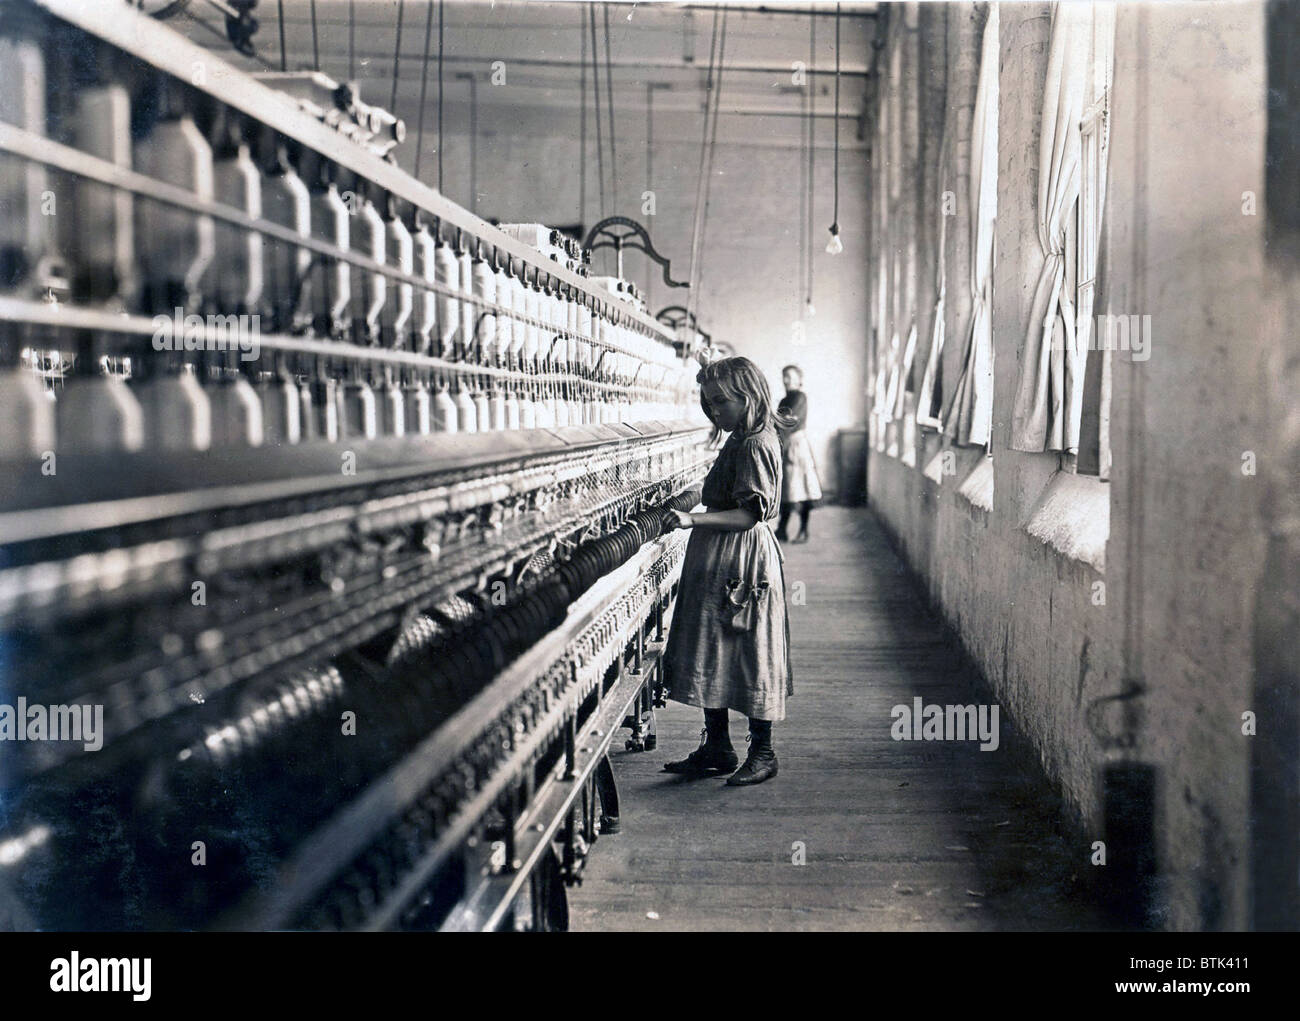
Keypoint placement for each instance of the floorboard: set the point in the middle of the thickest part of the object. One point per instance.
(894, 835)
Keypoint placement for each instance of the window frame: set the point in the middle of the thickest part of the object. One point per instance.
(1094, 153)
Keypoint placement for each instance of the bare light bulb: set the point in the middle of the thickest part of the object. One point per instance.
(809, 311)
(834, 246)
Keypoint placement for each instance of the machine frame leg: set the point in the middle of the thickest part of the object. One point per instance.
(607, 788)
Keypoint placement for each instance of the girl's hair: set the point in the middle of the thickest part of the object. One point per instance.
(739, 379)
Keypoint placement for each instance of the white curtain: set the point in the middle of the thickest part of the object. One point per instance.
(892, 393)
(881, 406)
(1048, 405)
(970, 416)
(1103, 62)
(928, 409)
(905, 370)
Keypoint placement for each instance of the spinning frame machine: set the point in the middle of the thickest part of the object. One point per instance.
(364, 612)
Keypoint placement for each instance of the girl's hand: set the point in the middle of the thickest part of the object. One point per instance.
(678, 519)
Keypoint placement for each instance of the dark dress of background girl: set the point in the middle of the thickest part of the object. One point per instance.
(801, 487)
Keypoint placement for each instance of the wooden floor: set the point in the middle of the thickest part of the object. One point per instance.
(895, 835)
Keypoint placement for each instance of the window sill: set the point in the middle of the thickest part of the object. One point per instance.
(934, 468)
(977, 490)
(1073, 517)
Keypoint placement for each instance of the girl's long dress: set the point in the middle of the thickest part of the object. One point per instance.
(799, 470)
(729, 645)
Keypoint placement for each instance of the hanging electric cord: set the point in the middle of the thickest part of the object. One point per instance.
(424, 89)
(397, 57)
(802, 246)
(284, 56)
(811, 193)
(440, 52)
(473, 138)
(609, 102)
(704, 149)
(352, 40)
(315, 38)
(713, 148)
(836, 246)
(802, 193)
(801, 243)
(600, 142)
(836, 217)
(704, 141)
(649, 135)
(649, 167)
(582, 119)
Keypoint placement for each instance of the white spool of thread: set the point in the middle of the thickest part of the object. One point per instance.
(449, 309)
(445, 413)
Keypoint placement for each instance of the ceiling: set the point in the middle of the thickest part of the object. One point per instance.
(531, 62)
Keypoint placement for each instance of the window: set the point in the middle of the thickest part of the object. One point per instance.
(1093, 456)
(1048, 411)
